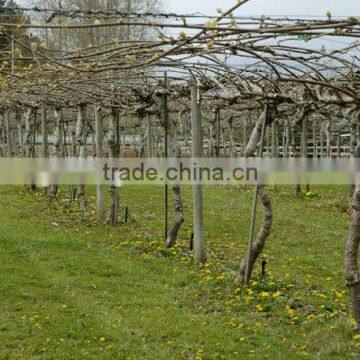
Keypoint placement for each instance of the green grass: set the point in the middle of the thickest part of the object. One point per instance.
(72, 288)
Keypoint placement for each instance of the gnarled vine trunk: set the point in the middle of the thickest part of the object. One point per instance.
(179, 217)
(266, 224)
(265, 230)
(352, 272)
(175, 150)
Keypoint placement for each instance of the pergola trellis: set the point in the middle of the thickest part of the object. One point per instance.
(257, 73)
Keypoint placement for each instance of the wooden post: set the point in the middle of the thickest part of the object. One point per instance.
(275, 143)
(287, 132)
(99, 154)
(218, 132)
(124, 133)
(233, 150)
(197, 152)
(19, 135)
(321, 142)
(113, 151)
(315, 152)
(156, 145)
(81, 135)
(9, 149)
(183, 130)
(339, 145)
(275, 140)
(13, 54)
(118, 135)
(2, 139)
(27, 139)
(223, 142)
(328, 139)
(304, 137)
(142, 137)
(211, 141)
(134, 137)
(165, 111)
(34, 129)
(80, 128)
(59, 133)
(305, 144)
(149, 137)
(44, 132)
(174, 137)
(245, 134)
(58, 144)
(284, 144)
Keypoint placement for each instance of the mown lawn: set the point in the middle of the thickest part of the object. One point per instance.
(72, 288)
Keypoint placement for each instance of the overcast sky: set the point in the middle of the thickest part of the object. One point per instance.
(269, 7)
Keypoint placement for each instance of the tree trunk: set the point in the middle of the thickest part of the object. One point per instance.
(253, 143)
(255, 248)
(175, 151)
(352, 272)
(263, 234)
(179, 217)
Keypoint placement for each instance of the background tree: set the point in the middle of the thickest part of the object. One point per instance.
(67, 40)
(15, 44)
